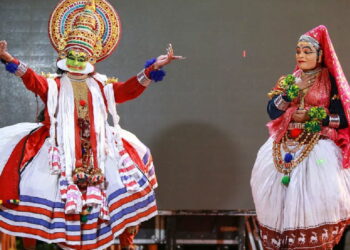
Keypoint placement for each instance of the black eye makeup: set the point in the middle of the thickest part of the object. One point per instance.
(81, 59)
(306, 50)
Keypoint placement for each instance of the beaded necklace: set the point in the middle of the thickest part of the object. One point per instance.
(288, 163)
(313, 72)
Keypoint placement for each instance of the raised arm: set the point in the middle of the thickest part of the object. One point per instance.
(132, 88)
(31, 80)
(135, 86)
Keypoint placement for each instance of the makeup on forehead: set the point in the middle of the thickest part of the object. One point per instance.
(305, 45)
(77, 53)
(310, 40)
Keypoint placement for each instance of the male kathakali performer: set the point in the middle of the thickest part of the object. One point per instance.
(73, 179)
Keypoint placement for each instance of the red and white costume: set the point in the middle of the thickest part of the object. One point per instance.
(44, 211)
(313, 210)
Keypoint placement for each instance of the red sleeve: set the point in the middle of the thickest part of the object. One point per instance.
(130, 89)
(36, 83)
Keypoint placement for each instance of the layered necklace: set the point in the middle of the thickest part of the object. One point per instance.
(305, 142)
(313, 71)
(300, 140)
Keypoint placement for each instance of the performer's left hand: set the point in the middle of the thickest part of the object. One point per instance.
(300, 115)
(168, 58)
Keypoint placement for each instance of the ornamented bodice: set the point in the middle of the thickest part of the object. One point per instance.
(319, 93)
(85, 169)
(80, 90)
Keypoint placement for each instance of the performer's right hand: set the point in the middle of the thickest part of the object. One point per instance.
(306, 81)
(300, 115)
(163, 60)
(4, 55)
(3, 47)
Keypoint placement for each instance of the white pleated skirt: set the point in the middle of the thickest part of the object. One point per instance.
(312, 211)
(40, 213)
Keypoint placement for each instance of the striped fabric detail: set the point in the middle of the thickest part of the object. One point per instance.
(150, 171)
(45, 220)
(93, 196)
(74, 202)
(54, 160)
(63, 186)
(129, 173)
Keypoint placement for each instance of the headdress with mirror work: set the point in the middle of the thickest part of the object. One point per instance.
(90, 26)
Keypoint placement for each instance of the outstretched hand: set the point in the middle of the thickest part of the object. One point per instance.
(3, 47)
(163, 60)
(3, 51)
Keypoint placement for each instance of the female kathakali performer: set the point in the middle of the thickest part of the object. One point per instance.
(300, 180)
(73, 179)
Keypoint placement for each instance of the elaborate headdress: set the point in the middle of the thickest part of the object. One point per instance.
(330, 60)
(90, 26)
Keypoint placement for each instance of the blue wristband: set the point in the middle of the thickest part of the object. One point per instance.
(150, 62)
(11, 67)
(155, 75)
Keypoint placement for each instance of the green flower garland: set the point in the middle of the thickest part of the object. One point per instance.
(316, 114)
(312, 126)
(290, 79)
(292, 90)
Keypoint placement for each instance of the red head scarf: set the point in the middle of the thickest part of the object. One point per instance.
(331, 62)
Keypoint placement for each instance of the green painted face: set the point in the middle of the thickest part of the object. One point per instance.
(76, 60)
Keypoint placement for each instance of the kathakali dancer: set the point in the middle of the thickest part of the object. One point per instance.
(73, 179)
(301, 178)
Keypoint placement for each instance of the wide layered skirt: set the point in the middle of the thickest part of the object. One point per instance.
(313, 210)
(40, 212)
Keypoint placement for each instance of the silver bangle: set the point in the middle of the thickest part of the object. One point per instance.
(21, 70)
(294, 125)
(334, 121)
(143, 79)
(280, 103)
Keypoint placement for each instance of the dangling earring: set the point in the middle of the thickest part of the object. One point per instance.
(62, 54)
(92, 60)
(319, 56)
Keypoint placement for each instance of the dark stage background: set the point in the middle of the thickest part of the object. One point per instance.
(206, 121)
